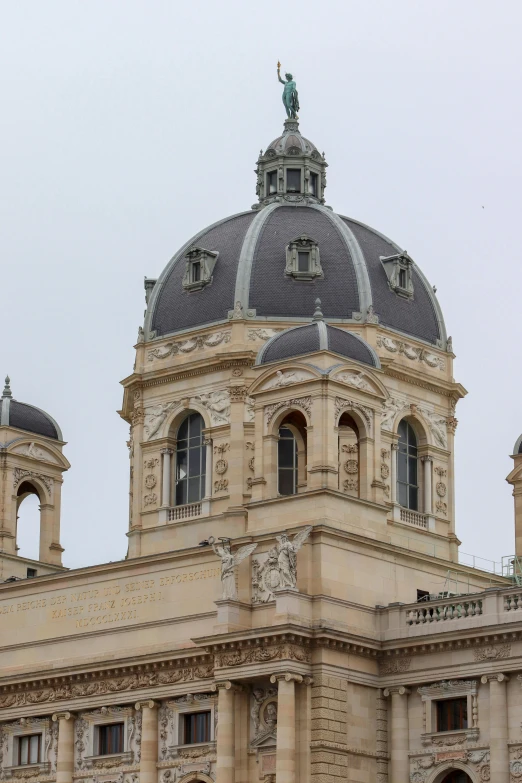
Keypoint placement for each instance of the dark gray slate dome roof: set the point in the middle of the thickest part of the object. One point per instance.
(317, 336)
(26, 417)
(250, 269)
(518, 446)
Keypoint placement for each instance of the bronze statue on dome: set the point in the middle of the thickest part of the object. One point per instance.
(290, 96)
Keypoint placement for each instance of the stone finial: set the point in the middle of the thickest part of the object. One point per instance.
(318, 314)
(7, 387)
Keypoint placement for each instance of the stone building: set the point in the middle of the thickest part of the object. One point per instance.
(292, 606)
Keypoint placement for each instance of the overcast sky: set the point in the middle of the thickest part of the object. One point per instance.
(128, 126)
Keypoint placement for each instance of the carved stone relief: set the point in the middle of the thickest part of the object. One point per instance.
(305, 403)
(356, 379)
(263, 713)
(286, 378)
(218, 404)
(411, 352)
(261, 334)
(187, 346)
(342, 405)
(492, 652)
(20, 475)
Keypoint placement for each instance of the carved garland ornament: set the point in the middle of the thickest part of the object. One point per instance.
(129, 682)
(187, 346)
(262, 654)
(342, 405)
(305, 403)
(410, 352)
(19, 475)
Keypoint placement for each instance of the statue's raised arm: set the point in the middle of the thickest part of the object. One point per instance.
(290, 96)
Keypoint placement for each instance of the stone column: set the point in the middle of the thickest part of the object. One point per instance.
(427, 466)
(498, 726)
(394, 448)
(149, 741)
(399, 735)
(226, 732)
(286, 747)
(166, 500)
(65, 757)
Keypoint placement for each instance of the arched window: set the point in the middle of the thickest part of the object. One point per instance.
(287, 462)
(190, 460)
(407, 467)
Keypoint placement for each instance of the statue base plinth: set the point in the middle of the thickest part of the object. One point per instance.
(232, 615)
(292, 607)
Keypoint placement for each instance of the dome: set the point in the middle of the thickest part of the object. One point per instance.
(317, 336)
(250, 269)
(246, 265)
(26, 417)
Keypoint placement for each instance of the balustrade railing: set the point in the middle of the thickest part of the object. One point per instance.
(414, 518)
(184, 512)
(450, 609)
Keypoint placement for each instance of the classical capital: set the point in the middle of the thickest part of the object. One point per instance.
(399, 690)
(63, 716)
(394, 447)
(167, 451)
(149, 704)
(498, 677)
(226, 685)
(426, 458)
(287, 677)
(308, 680)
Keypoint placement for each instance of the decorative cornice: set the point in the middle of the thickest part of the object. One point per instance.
(101, 683)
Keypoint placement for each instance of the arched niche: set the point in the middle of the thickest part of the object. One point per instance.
(453, 772)
(196, 777)
(28, 519)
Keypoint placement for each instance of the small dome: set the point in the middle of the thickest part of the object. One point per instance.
(518, 446)
(26, 417)
(291, 142)
(317, 336)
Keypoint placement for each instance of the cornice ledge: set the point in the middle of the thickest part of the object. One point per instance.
(339, 747)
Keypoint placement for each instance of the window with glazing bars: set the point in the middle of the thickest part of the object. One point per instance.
(190, 461)
(407, 467)
(196, 727)
(29, 748)
(287, 462)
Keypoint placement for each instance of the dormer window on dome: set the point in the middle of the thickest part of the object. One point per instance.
(302, 259)
(200, 264)
(398, 269)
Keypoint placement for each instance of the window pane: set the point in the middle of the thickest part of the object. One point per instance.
(194, 462)
(181, 464)
(286, 482)
(402, 466)
(286, 453)
(194, 490)
(303, 262)
(403, 495)
(34, 742)
(412, 470)
(293, 180)
(196, 272)
(413, 498)
(183, 430)
(24, 750)
(181, 493)
(272, 182)
(195, 425)
(313, 184)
